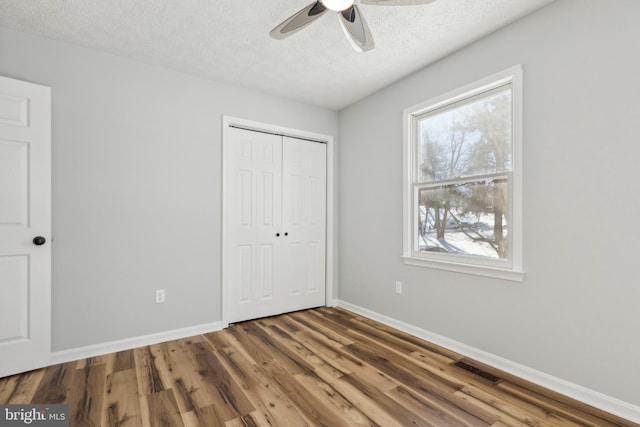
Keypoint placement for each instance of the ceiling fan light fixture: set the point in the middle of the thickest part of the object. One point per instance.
(338, 5)
(351, 19)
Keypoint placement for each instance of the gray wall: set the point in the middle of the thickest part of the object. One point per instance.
(136, 186)
(576, 315)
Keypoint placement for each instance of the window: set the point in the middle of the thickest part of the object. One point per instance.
(463, 179)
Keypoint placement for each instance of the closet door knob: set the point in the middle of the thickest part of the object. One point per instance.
(39, 241)
(277, 234)
(286, 234)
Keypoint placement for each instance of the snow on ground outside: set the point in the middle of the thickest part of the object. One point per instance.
(458, 240)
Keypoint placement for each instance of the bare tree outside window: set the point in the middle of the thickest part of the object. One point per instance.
(464, 156)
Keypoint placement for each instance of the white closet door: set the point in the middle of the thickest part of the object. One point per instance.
(274, 225)
(304, 222)
(25, 226)
(253, 219)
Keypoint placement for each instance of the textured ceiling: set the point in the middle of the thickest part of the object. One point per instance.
(228, 40)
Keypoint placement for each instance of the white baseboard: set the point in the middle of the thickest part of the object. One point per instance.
(72, 354)
(590, 397)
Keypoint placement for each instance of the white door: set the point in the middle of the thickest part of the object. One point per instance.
(253, 188)
(274, 225)
(25, 214)
(304, 196)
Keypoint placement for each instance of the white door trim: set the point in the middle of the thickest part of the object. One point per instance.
(228, 121)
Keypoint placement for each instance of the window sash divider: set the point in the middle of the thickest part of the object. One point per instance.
(463, 180)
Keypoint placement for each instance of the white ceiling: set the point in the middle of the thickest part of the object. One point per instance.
(228, 40)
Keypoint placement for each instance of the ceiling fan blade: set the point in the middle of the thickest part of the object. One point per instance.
(356, 29)
(299, 20)
(397, 2)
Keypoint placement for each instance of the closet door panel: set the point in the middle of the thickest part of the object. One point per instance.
(253, 216)
(304, 221)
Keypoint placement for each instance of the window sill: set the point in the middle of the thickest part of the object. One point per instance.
(479, 270)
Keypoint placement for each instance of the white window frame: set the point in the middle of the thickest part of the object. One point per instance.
(510, 269)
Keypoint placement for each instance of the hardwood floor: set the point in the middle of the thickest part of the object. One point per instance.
(321, 367)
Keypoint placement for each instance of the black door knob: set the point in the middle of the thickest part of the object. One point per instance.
(39, 241)
(277, 234)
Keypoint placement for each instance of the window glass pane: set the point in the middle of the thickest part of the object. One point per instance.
(464, 218)
(473, 138)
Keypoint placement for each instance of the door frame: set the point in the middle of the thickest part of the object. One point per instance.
(230, 121)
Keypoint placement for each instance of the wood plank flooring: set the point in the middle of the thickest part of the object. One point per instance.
(320, 367)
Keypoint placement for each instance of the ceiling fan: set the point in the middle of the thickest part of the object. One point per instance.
(351, 20)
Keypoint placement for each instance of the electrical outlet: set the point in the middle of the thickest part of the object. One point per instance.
(398, 287)
(160, 296)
